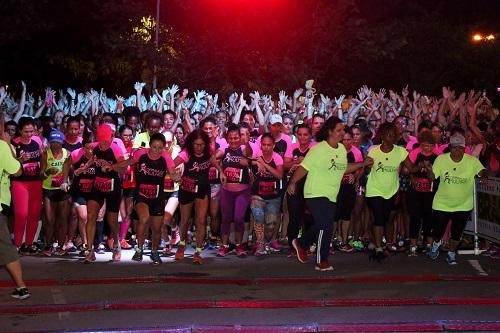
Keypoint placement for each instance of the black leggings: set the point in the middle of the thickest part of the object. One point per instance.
(381, 209)
(420, 211)
(458, 222)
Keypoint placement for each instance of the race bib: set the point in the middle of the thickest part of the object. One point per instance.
(128, 176)
(105, 185)
(423, 185)
(233, 175)
(149, 191)
(189, 185)
(267, 188)
(31, 169)
(168, 184)
(85, 185)
(57, 181)
(213, 174)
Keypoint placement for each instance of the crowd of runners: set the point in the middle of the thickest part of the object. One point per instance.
(250, 175)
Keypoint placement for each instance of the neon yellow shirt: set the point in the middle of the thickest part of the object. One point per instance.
(8, 166)
(325, 167)
(141, 140)
(54, 182)
(456, 183)
(383, 180)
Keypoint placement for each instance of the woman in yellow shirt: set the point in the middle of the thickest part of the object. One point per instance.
(454, 198)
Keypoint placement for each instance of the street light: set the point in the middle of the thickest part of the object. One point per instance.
(156, 40)
(483, 38)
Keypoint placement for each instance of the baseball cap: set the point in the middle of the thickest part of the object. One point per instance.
(104, 133)
(275, 119)
(56, 136)
(457, 140)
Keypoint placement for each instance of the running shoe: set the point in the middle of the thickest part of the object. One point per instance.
(197, 259)
(291, 253)
(434, 252)
(323, 266)
(117, 254)
(241, 251)
(20, 293)
(260, 250)
(412, 252)
(125, 245)
(48, 251)
(345, 248)
(69, 246)
(167, 250)
(137, 254)
(59, 252)
(451, 258)
(391, 247)
(32, 250)
(179, 255)
(23, 250)
(155, 257)
(358, 245)
(301, 253)
(101, 249)
(212, 243)
(223, 251)
(275, 246)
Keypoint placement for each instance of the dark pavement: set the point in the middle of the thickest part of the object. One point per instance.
(270, 293)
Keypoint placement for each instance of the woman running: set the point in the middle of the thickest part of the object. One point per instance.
(127, 203)
(235, 192)
(194, 189)
(151, 166)
(27, 188)
(56, 201)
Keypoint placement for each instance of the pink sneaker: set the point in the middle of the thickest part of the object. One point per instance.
(274, 246)
(260, 250)
(240, 251)
(223, 251)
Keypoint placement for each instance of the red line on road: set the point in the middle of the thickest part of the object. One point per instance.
(256, 281)
(397, 327)
(271, 304)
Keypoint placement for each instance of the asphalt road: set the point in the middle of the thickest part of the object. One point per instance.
(255, 294)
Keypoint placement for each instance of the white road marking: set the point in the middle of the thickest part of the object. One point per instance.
(58, 297)
(477, 266)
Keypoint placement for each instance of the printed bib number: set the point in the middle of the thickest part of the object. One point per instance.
(57, 181)
(31, 169)
(233, 175)
(423, 185)
(129, 175)
(85, 185)
(105, 185)
(267, 188)
(213, 174)
(189, 185)
(149, 191)
(168, 184)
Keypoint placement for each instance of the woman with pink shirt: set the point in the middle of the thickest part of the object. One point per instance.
(27, 188)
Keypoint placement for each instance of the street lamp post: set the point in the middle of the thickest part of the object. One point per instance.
(156, 41)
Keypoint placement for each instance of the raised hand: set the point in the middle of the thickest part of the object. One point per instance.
(174, 89)
(416, 96)
(3, 92)
(297, 93)
(138, 86)
(338, 101)
(381, 93)
(405, 92)
(232, 98)
(71, 93)
(393, 95)
(361, 94)
(282, 97)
